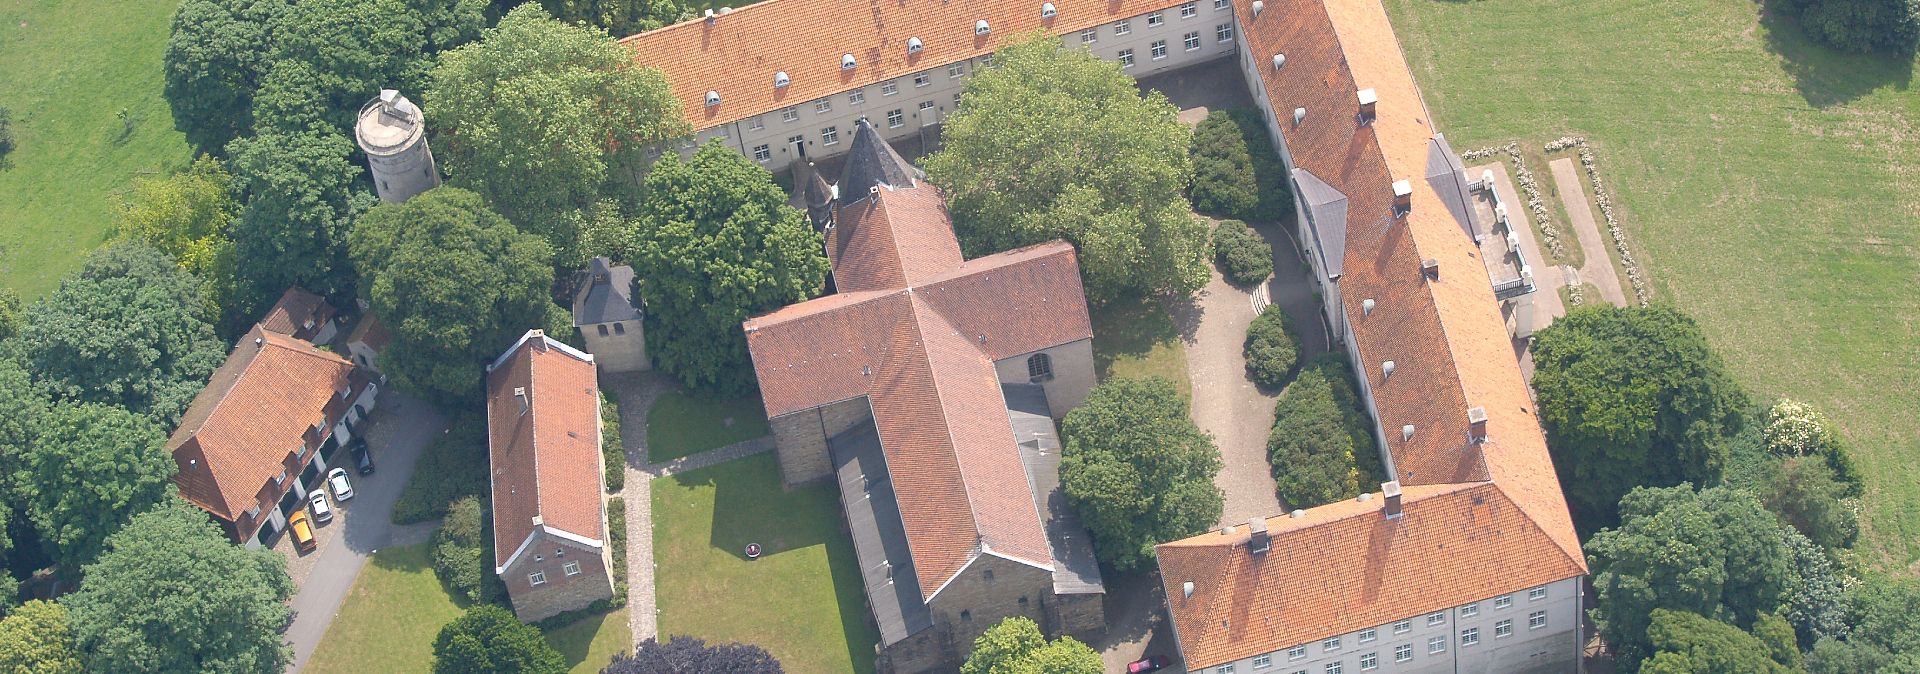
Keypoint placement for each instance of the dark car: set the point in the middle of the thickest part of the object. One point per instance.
(362, 457)
(1150, 664)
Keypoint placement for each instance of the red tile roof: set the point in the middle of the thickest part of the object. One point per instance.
(737, 54)
(919, 339)
(546, 467)
(255, 419)
(1492, 510)
(298, 313)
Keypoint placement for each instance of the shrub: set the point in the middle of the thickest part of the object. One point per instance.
(453, 466)
(1269, 173)
(688, 654)
(1223, 179)
(1817, 607)
(1805, 495)
(1243, 256)
(1366, 452)
(1798, 429)
(612, 450)
(1310, 449)
(459, 550)
(6, 136)
(489, 640)
(1271, 348)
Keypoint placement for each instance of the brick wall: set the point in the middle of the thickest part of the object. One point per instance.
(561, 592)
(800, 438)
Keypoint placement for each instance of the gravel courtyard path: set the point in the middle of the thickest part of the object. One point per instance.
(1598, 269)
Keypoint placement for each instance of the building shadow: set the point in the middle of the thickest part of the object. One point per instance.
(1823, 76)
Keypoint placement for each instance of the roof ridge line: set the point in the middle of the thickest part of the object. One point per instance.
(533, 438)
(946, 425)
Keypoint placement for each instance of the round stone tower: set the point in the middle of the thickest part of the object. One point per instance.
(392, 132)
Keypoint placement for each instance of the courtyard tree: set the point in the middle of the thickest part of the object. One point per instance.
(1271, 347)
(1137, 469)
(35, 639)
(540, 114)
(1713, 552)
(1223, 181)
(214, 63)
(1631, 397)
(454, 283)
(1016, 167)
(1310, 449)
(171, 595)
(619, 17)
(1016, 646)
(89, 469)
(487, 639)
(128, 329)
(302, 195)
(188, 216)
(717, 243)
(684, 654)
(1687, 643)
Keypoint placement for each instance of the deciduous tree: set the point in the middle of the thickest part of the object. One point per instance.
(717, 243)
(487, 639)
(214, 62)
(1016, 646)
(1137, 469)
(91, 468)
(302, 196)
(685, 655)
(172, 596)
(455, 284)
(1631, 397)
(35, 639)
(1806, 497)
(1056, 143)
(351, 49)
(1686, 643)
(187, 216)
(1859, 25)
(619, 17)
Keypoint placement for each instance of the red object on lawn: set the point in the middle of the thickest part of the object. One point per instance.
(753, 551)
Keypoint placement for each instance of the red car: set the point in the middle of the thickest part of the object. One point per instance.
(1152, 663)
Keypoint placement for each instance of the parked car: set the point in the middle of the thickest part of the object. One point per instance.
(362, 457)
(337, 478)
(317, 500)
(1148, 664)
(302, 530)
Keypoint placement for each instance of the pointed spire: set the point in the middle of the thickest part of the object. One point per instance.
(812, 194)
(870, 162)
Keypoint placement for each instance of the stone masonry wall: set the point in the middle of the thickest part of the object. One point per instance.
(1072, 378)
(615, 352)
(561, 593)
(800, 438)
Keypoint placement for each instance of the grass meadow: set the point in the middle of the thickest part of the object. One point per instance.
(1773, 187)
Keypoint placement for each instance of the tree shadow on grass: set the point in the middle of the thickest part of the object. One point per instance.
(1824, 76)
(1131, 328)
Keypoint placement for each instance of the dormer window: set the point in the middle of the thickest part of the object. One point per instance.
(980, 27)
(914, 45)
(713, 98)
(780, 80)
(1047, 10)
(847, 62)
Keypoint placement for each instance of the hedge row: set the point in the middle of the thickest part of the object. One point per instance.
(1244, 257)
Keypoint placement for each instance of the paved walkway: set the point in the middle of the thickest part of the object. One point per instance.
(1598, 269)
(636, 394)
(1547, 281)
(401, 428)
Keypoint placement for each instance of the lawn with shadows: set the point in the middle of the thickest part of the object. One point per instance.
(1137, 338)
(801, 600)
(1773, 185)
(682, 425)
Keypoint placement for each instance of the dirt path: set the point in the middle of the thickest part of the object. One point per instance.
(1598, 269)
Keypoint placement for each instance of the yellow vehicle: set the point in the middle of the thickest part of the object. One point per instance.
(302, 529)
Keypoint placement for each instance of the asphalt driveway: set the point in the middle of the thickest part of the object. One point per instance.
(399, 429)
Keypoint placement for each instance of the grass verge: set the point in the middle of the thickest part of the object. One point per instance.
(1137, 338)
(682, 425)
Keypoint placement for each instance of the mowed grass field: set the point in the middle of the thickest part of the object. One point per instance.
(68, 70)
(1773, 186)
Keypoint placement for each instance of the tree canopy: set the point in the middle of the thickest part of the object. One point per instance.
(487, 639)
(1686, 643)
(1806, 496)
(619, 17)
(455, 285)
(1312, 453)
(717, 243)
(1137, 469)
(1057, 143)
(1631, 397)
(35, 639)
(1016, 646)
(303, 195)
(538, 115)
(1271, 348)
(187, 216)
(172, 596)
(128, 329)
(91, 468)
(684, 654)
(1715, 552)
(1859, 25)
(1223, 181)
(213, 65)
(1243, 256)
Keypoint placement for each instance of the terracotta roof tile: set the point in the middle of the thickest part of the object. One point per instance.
(544, 456)
(298, 313)
(892, 238)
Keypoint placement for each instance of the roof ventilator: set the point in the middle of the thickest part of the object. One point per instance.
(914, 45)
(780, 80)
(1297, 514)
(1390, 493)
(1186, 590)
(847, 62)
(1299, 115)
(1366, 307)
(1259, 542)
(1047, 10)
(1279, 60)
(1402, 197)
(1257, 6)
(980, 27)
(1386, 370)
(1406, 432)
(1367, 100)
(713, 98)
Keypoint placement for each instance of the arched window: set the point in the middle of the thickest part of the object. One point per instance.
(619, 328)
(1040, 367)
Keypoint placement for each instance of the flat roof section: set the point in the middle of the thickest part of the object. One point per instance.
(1075, 570)
(879, 536)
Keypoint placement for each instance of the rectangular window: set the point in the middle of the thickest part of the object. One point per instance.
(895, 119)
(1333, 668)
(1222, 4)
(1470, 636)
(1330, 645)
(986, 61)
(1436, 645)
(1155, 19)
(762, 153)
(1122, 28)
(1223, 32)
(1438, 617)
(1223, 669)
(603, 331)
(1368, 634)
(1126, 58)
(922, 80)
(927, 115)
(1403, 653)
(955, 70)
(1296, 652)
(956, 100)
(1537, 593)
(889, 88)
(1402, 627)
(1090, 36)
(1369, 661)
(1159, 49)
(755, 125)
(571, 568)
(856, 98)
(1536, 620)
(1192, 40)
(830, 136)
(1503, 602)
(1470, 610)
(823, 106)
(1503, 628)
(537, 578)
(1262, 661)
(1189, 10)
(790, 114)
(796, 141)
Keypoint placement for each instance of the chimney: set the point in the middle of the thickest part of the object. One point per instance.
(1260, 541)
(521, 393)
(1391, 493)
(1430, 268)
(1402, 197)
(1476, 424)
(1367, 99)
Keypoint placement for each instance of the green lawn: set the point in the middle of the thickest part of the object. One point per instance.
(1137, 338)
(68, 70)
(801, 600)
(680, 424)
(1773, 186)
(397, 607)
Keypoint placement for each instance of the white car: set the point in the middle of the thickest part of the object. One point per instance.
(337, 478)
(317, 501)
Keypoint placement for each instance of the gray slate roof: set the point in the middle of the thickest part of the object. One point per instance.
(606, 295)
(1327, 214)
(872, 161)
(879, 536)
(1075, 570)
(1449, 178)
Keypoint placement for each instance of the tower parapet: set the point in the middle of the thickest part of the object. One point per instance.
(392, 132)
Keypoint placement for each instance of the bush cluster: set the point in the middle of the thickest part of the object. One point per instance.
(612, 449)
(453, 466)
(1243, 256)
(1322, 447)
(1271, 348)
(6, 136)
(461, 552)
(1236, 172)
